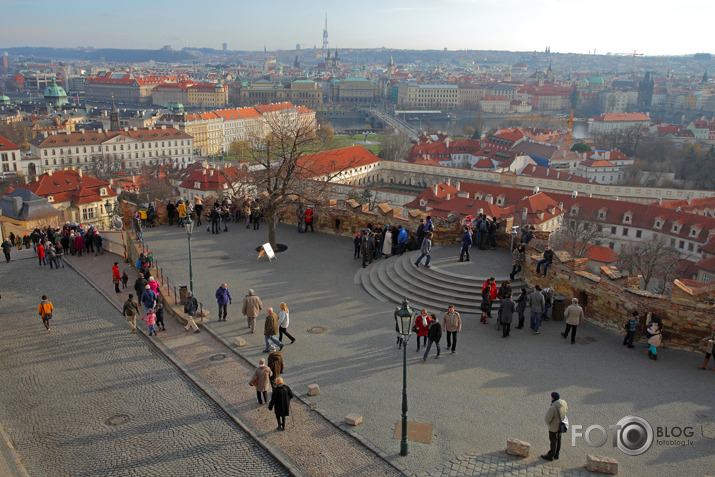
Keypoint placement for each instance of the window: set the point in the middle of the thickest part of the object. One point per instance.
(706, 278)
(681, 244)
(690, 247)
(45, 152)
(625, 231)
(87, 213)
(5, 157)
(613, 230)
(611, 245)
(639, 233)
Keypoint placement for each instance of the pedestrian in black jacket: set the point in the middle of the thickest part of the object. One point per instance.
(280, 403)
(434, 334)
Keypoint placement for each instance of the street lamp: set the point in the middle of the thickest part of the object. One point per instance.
(404, 317)
(189, 226)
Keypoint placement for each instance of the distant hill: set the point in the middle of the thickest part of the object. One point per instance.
(164, 55)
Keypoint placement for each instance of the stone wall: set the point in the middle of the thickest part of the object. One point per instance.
(609, 297)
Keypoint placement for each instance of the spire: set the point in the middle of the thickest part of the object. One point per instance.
(325, 34)
(705, 77)
(114, 117)
(549, 66)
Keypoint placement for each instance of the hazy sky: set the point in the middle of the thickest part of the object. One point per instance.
(652, 27)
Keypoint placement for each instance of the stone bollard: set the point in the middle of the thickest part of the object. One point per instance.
(353, 419)
(517, 447)
(238, 341)
(601, 464)
(313, 390)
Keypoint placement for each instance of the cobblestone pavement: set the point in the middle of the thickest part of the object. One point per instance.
(312, 444)
(491, 390)
(91, 399)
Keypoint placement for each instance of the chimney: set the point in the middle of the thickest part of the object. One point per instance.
(616, 198)
(547, 172)
(80, 172)
(524, 214)
(45, 133)
(660, 201)
(133, 178)
(561, 206)
(211, 174)
(574, 194)
(126, 129)
(436, 189)
(99, 131)
(459, 186)
(489, 199)
(449, 196)
(449, 182)
(111, 182)
(688, 200)
(536, 190)
(447, 143)
(16, 205)
(558, 174)
(134, 128)
(49, 172)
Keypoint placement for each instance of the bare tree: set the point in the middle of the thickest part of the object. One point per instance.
(652, 259)
(287, 169)
(104, 166)
(579, 233)
(395, 147)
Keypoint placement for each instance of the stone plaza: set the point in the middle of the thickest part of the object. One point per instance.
(491, 390)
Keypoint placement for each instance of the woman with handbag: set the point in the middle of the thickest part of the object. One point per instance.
(261, 379)
(421, 325)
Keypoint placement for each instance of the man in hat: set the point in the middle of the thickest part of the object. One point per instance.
(554, 416)
(251, 306)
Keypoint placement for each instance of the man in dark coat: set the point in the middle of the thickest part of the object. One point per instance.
(506, 313)
(466, 243)
(280, 403)
(140, 285)
(199, 209)
(214, 216)
(97, 241)
(170, 212)
(434, 334)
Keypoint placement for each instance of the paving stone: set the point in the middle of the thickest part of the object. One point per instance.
(517, 447)
(353, 419)
(313, 390)
(601, 464)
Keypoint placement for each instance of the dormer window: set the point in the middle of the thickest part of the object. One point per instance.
(676, 227)
(627, 217)
(658, 223)
(602, 213)
(694, 231)
(102, 191)
(197, 185)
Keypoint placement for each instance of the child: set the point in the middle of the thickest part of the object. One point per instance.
(149, 258)
(125, 279)
(159, 312)
(150, 321)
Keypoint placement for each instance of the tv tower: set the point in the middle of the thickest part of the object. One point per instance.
(325, 34)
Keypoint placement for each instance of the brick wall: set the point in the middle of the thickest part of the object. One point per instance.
(609, 297)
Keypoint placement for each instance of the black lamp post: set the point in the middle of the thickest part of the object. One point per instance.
(189, 226)
(405, 317)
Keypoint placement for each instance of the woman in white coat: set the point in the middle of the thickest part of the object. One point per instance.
(283, 321)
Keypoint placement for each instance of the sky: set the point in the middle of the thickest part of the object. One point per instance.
(567, 26)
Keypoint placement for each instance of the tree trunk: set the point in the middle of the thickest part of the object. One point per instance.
(272, 229)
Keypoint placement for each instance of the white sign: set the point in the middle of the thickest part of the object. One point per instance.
(268, 250)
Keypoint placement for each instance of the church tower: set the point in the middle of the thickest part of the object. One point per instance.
(114, 117)
(391, 66)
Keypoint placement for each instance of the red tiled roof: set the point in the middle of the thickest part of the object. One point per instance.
(7, 145)
(707, 264)
(596, 163)
(601, 254)
(335, 161)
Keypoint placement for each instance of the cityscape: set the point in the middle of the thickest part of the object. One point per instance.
(573, 167)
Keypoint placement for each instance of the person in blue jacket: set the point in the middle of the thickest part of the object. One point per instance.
(223, 297)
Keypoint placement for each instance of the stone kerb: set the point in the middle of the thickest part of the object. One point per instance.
(609, 298)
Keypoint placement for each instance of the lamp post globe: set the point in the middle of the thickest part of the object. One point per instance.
(405, 317)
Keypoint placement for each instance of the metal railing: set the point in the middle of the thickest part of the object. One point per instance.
(156, 271)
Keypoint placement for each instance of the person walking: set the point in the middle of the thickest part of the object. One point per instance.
(191, 306)
(6, 248)
(130, 310)
(555, 415)
(573, 316)
(148, 298)
(630, 326)
(159, 312)
(51, 255)
(546, 261)
(709, 342)
(140, 285)
(251, 307)
(261, 379)
(280, 403)
(506, 313)
(466, 243)
(116, 277)
(536, 303)
(41, 254)
(275, 362)
(283, 322)
(223, 298)
(309, 219)
(521, 307)
(425, 250)
(270, 330)
(214, 217)
(45, 309)
(59, 255)
(422, 322)
(150, 320)
(97, 241)
(434, 335)
(452, 324)
(518, 258)
(154, 285)
(401, 240)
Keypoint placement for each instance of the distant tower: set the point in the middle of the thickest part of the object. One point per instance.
(296, 63)
(550, 73)
(705, 78)
(325, 35)
(391, 66)
(336, 60)
(297, 47)
(645, 92)
(114, 117)
(224, 46)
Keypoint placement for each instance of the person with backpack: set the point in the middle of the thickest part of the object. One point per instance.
(45, 309)
(630, 326)
(483, 226)
(466, 243)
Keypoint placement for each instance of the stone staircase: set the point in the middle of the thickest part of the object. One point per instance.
(390, 280)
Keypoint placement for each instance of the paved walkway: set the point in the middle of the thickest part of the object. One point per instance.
(91, 399)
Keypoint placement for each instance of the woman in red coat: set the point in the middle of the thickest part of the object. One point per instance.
(116, 277)
(41, 254)
(422, 322)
